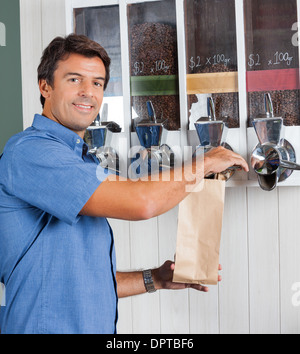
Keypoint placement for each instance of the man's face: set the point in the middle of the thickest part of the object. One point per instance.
(77, 93)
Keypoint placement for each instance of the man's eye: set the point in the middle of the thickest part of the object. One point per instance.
(98, 84)
(74, 79)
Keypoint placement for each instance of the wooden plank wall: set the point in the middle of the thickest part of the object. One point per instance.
(260, 245)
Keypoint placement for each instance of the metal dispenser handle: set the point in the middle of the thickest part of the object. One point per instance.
(269, 106)
(155, 154)
(267, 159)
(99, 138)
(211, 112)
(151, 111)
(104, 114)
(273, 159)
(212, 133)
(290, 165)
(97, 122)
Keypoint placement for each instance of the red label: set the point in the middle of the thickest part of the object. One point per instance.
(273, 80)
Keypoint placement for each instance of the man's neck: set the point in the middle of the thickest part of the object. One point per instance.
(52, 117)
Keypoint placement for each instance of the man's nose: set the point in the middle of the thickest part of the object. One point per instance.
(86, 90)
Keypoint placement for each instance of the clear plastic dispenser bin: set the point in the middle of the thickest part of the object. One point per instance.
(272, 58)
(211, 56)
(102, 24)
(274, 158)
(153, 61)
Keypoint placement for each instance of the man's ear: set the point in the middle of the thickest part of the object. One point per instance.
(45, 88)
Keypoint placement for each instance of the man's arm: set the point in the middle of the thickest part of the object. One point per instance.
(132, 283)
(141, 200)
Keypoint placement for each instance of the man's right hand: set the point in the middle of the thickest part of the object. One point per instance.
(220, 159)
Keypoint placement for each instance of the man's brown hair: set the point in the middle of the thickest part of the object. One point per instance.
(61, 48)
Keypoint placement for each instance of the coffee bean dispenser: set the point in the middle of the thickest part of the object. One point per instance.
(99, 137)
(154, 154)
(102, 24)
(211, 59)
(272, 58)
(154, 60)
(212, 132)
(185, 68)
(274, 158)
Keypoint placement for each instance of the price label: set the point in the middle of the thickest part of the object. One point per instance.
(278, 58)
(254, 60)
(138, 68)
(159, 66)
(196, 62)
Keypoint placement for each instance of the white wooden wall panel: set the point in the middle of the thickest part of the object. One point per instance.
(174, 305)
(260, 245)
(53, 20)
(263, 261)
(204, 312)
(41, 21)
(289, 207)
(121, 230)
(233, 289)
(31, 49)
(144, 254)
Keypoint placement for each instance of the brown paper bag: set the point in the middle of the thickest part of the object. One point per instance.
(199, 234)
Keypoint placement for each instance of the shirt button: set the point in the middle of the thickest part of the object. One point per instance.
(78, 141)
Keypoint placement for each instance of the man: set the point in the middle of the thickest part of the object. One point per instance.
(57, 258)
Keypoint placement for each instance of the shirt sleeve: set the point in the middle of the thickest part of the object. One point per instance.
(50, 176)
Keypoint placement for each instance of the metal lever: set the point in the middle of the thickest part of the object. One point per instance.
(151, 111)
(211, 112)
(269, 106)
(274, 158)
(290, 165)
(266, 160)
(97, 121)
(104, 114)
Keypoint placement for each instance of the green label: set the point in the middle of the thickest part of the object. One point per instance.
(165, 85)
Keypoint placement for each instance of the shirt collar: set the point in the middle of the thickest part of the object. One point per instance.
(68, 136)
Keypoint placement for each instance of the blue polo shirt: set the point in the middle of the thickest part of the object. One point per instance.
(58, 267)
